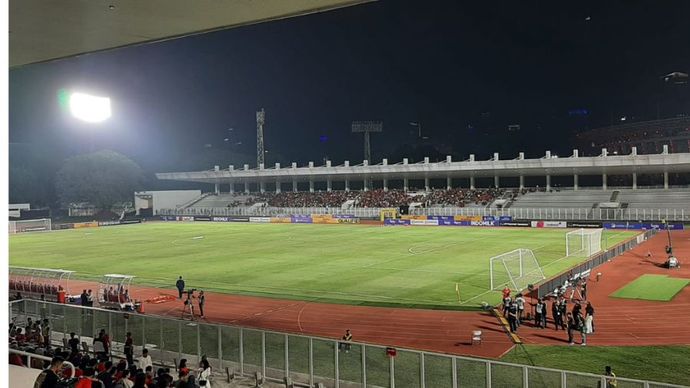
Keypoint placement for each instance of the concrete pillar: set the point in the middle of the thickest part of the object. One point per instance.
(426, 185)
(406, 184)
(472, 182)
(246, 187)
(262, 187)
(216, 188)
(664, 149)
(449, 183)
(497, 181)
(329, 185)
(385, 184)
(277, 186)
(576, 180)
(294, 186)
(665, 180)
(633, 151)
(232, 188)
(548, 182)
(634, 176)
(603, 181)
(365, 184)
(522, 182)
(347, 185)
(576, 153)
(311, 186)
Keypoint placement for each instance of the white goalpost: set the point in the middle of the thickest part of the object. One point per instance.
(38, 225)
(583, 242)
(518, 268)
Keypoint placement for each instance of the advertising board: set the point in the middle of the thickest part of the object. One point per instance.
(549, 224)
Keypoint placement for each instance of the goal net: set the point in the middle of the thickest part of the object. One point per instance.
(517, 269)
(39, 225)
(583, 242)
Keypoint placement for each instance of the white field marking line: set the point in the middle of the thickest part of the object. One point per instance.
(426, 270)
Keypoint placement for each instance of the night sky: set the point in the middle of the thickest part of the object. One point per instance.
(464, 71)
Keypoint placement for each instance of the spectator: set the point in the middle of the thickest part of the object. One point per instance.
(45, 331)
(129, 348)
(538, 313)
(86, 379)
(185, 380)
(204, 374)
(124, 381)
(556, 312)
(610, 378)
(149, 375)
(145, 360)
(347, 338)
(106, 377)
(140, 380)
(183, 366)
(49, 377)
(89, 298)
(84, 298)
(73, 344)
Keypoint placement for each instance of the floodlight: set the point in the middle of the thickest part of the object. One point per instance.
(86, 107)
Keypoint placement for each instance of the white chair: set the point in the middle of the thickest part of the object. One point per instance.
(98, 347)
(477, 337)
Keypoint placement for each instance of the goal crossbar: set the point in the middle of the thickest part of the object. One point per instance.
(37, 225)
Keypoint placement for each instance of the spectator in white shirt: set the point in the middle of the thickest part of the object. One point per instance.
(145, 360)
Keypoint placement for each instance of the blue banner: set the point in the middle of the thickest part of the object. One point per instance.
(299, 219)
(489, 218)
(395, 221)
(505, 218)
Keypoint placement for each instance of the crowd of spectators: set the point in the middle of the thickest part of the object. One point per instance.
(100, 369)
(375, 198)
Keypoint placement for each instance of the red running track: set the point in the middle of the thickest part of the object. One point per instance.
(433, 330)
(620, 322)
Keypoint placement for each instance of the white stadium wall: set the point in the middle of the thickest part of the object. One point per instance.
(167, 199)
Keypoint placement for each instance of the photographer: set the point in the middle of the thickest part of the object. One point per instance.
(202, 302)
(189, 303)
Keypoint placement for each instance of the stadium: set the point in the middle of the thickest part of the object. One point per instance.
(445, 272)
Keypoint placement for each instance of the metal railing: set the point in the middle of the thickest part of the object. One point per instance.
(29, 356)
(574, 214)
(306, 360)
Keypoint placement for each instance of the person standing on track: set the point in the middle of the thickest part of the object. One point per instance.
(520, 300)
(180, 287)
(556, 312)
(202, 301)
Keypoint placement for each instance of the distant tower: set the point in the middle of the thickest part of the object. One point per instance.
(367, 127)
(260, 119)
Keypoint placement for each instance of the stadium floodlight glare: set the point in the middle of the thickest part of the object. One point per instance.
(92, 109)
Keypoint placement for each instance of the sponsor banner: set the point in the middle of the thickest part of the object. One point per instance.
(185, 218)
(298, 219)
(132, 221)
(395, 221)
(642, 225)
(238, 219)
(108, 223)
(345, 216)
(65, 226)
(79, 225)
(489, 218)
(168, 218)
(202, 218)
(447, 222)
(522, 224)
(467, 218)
(584, 224)
(347, 220)
(412, 217)
(441, 218)
(483, 223)
(260, 219)
(549, 224)
(505, 218)
(219, 219)
(281, 220)
(424, 222)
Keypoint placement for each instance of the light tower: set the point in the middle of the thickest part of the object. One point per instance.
(260, 119)
(367, 127)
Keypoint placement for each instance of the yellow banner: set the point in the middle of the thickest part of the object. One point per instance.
(281, 220)
(85, 225)
(468, 218)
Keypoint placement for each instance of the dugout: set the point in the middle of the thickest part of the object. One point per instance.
(113, 293)
(32, 283)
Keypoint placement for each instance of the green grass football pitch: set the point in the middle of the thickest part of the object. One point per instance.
(652, 287)
(352, 264)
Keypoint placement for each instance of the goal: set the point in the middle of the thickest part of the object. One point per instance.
(38, 225)
(583, 242)
(518, 268)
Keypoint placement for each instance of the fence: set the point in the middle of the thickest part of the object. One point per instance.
(305, 360)
(550, 285)
(575, 214)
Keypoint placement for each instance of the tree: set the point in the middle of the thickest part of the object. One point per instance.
(101, 178)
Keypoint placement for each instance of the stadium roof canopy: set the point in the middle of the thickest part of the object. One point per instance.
(45, 30)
